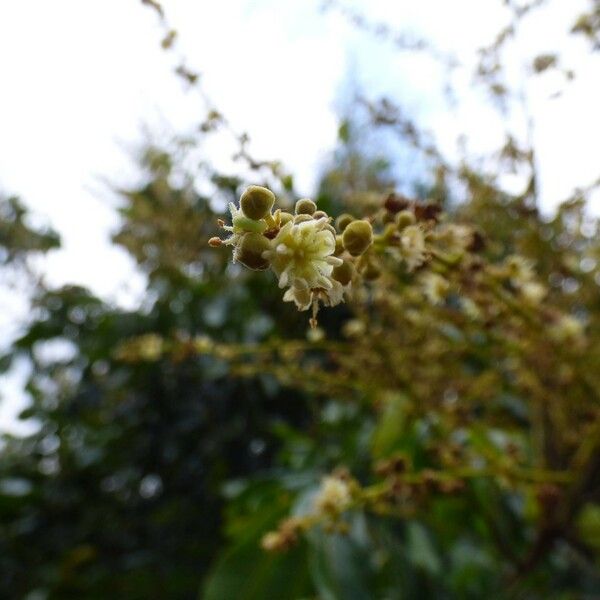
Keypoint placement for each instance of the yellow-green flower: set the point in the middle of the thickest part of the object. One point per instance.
(412, 249)
(302, 255)
(333, 497)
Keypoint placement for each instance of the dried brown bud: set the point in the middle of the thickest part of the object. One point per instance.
(477, 243)
(427, 211)
(394, 203)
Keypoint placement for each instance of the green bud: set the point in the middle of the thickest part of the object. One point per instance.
(245, 224)
(305, 207)
(256, 202)
(343, 221)
(249, 251)
(389, 231)
(344, 273)
(371, 271)
(339, 245)
(285, 217)
(357, 237)
(302, 218)
(319, 214)
(405, 218)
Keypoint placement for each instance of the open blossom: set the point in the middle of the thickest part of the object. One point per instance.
(305, 297)
(302, 258)
(520, 270)
(522, 276)
(412, 247)
(567, 328)
(333, 496)
(454, 239)
(435, 287)
(534, 292)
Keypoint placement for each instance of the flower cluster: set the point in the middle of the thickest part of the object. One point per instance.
(334, 496)
(319, 261)
(310, 259)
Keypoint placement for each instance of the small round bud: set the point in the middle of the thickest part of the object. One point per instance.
(250, 251)
(343, 221)
(256, 202)
(285, 217)
(215, 242)
(343, 273)
(319, 214)
(339, 245)
(405, 218)
(371, 271)
(389, 231)
(305, 207)
(357, 237)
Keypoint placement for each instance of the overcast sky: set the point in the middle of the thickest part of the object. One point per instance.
(80, 78)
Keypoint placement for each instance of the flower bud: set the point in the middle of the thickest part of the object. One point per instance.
(343, 221)
(285, 217)
(339, 246)
(371, 271)
(405, 218)
(250, 251)
(389, 231)
(305, 207)
(343, 273)
(319, 214)
(256, 202)
(357, 237)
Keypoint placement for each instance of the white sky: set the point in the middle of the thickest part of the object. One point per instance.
(80, 78)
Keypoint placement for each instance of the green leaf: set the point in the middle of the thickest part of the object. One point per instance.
(421, 550)
(391, 425)
(247, 572)
(588, 525)
(344, 131)
(340, 565)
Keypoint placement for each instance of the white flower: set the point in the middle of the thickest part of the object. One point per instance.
(304, 297)
(302, 257)
(567, 328)
(435, 287)
(454, 239)
(520, 270)
(334, 295)
(412, 247)
(470, 308)
(333, 496)
(522, 276)
(533, 292)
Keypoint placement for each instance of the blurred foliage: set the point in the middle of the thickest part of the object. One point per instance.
(464, 429)
(18, 239)
(118, 492)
